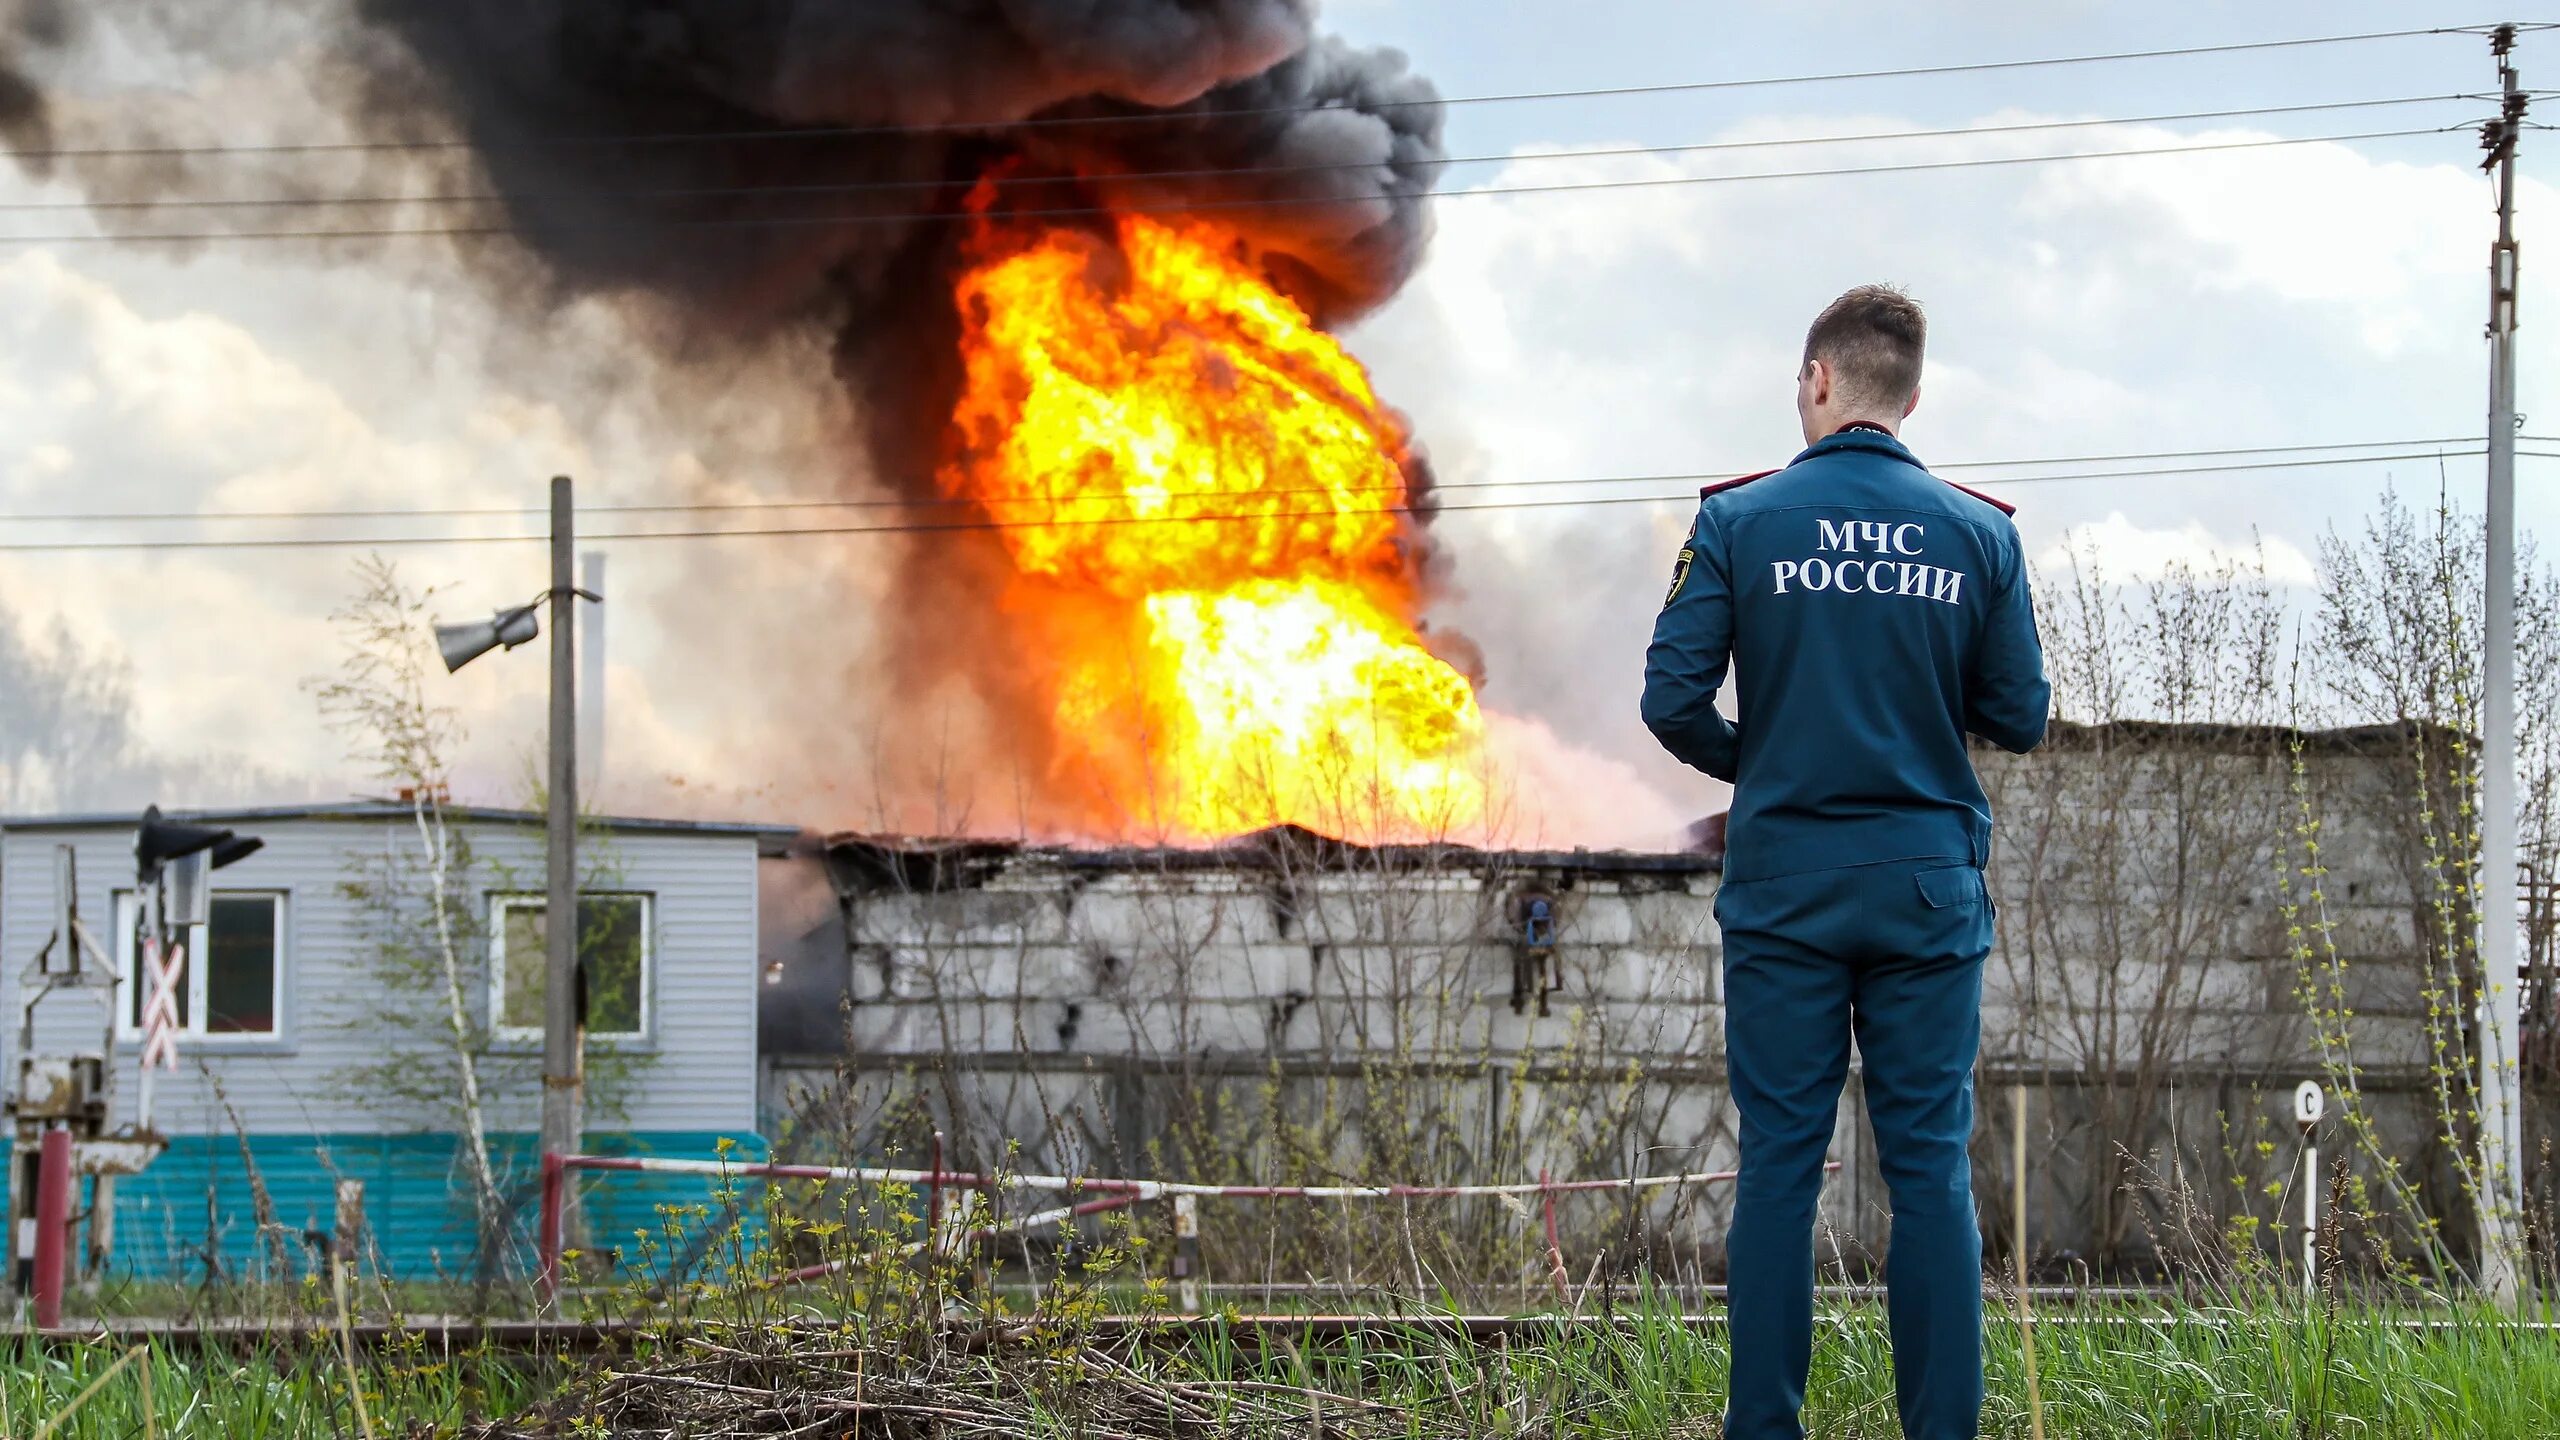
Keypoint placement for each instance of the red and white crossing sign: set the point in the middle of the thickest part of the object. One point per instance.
(164, 972)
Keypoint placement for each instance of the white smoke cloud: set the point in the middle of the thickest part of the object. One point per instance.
(1552, 795)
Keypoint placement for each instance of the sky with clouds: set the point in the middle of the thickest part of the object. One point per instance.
(2305, 294)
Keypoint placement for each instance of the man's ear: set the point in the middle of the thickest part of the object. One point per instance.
(1819, 373)
(1911, 404)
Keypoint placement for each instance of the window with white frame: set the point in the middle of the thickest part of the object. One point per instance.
(614, 948)
(233, 983)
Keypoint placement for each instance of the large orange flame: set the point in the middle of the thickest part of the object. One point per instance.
(1203, 501)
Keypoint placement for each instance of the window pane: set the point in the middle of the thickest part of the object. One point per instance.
(240, 966)
(612, 945)
(137, 976)
(522, 984)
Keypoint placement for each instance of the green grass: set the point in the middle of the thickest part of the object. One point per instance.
(2268, 1369)
(2231, 1375)
(252, 1395)
(2235, 1374)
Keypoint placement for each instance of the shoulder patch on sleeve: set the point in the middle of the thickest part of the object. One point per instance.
(1679, 574)
(1736, 483)
(1994, 501)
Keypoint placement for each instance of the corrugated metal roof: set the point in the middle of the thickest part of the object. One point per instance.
(384, 809)
(2377, 739)
(903, 862)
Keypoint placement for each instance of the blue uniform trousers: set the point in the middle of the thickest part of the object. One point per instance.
(1891, 954)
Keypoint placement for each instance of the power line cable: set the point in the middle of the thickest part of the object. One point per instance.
(332, 542)
(1205, 206)
(1197, 117)
(2421, 449)
(2420, 444)
(1017, 182)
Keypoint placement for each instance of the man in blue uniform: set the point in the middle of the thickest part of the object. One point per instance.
(1872, 615)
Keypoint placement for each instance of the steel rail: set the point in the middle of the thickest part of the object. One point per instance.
(453, 1336)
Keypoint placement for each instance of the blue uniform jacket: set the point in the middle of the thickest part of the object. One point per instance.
(1872, 615)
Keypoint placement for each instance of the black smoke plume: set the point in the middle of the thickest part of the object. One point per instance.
(762, 161)
(28, 29)
(751, 169)
(755, 159)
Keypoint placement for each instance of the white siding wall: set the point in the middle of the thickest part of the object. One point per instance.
(696, 1071)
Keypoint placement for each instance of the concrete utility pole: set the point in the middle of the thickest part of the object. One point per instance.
(591, 657)
(564, 999)
(563, 1029)
(2501, 1143)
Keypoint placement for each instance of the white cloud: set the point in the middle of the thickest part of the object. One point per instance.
(2120, 550)
(116, 410)
(2381, 240)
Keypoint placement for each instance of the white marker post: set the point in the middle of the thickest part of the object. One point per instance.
(2307, 1104)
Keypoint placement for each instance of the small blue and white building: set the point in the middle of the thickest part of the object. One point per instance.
(316, 1037)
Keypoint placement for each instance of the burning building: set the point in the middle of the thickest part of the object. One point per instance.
(1287, 1007)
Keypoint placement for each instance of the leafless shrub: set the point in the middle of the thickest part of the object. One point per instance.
(1289, 1011)
(2131, 850)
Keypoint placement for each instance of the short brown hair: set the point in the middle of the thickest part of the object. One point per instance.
(1872, 339)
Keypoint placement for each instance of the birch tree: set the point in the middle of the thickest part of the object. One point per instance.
(421, 931)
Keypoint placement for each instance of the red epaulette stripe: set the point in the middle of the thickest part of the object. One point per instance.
(1721, 486)
(1994, 501)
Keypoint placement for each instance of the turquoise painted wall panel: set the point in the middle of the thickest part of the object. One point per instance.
(194, 1214)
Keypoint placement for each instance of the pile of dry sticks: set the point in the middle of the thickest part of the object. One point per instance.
(814, 1380)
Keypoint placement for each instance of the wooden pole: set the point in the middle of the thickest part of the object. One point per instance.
(1186, 1252)
(1555, 1244)
(933, 1194)
(563, 1064)
(2018, 1245)
(346, 1228)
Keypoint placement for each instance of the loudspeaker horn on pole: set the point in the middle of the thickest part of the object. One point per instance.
(468, 641)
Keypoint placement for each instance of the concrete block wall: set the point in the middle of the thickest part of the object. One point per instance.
(1074, 1001)
(1192, 962)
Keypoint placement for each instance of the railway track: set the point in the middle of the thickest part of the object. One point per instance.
(447, 1335)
